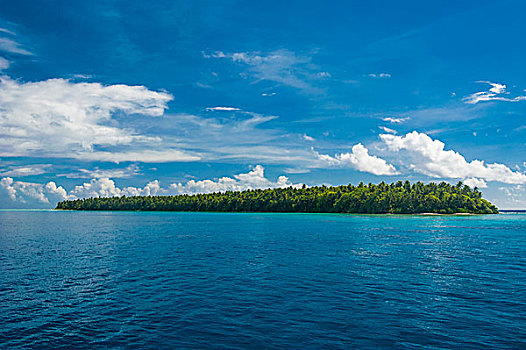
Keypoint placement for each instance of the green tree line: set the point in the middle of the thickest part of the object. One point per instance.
(396, 198)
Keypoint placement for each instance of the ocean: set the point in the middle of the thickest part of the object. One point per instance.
(163, 280)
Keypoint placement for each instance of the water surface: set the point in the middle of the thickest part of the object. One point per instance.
(261, 281)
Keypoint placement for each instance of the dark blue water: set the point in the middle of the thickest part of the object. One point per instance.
(261, 281)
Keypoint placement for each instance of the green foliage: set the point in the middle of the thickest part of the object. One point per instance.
(396, 198)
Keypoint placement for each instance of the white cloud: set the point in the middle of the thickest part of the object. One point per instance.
(152, 188)
(391, 131)
(380, 75)
(222, 109)
(474, 182)
(60, 118)
(27, 192)
(268, 94)
(26, 170)
(395, 120)
(96, 188)
(308, 138)
(359, 159)
(6, 184)
(497, 92)
(105, 187)
(496, 88)
(76, 119)
(254, 179)
(33, 194)
(429, 157)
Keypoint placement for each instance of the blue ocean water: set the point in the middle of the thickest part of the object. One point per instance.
(261, 281)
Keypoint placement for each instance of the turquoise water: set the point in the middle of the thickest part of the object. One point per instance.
(261, 281)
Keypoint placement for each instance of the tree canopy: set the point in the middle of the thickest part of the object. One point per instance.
(396, 198)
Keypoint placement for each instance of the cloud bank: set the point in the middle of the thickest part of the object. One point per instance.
(31, 193)
(254, 179)
(38, 195)
(430, 158)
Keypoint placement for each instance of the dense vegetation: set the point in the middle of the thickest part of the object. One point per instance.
(397, 198)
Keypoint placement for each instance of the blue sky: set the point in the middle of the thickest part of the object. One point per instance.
(109, 98)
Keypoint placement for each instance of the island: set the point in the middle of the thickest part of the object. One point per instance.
(395, 198)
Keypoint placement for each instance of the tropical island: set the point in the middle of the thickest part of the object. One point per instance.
(395, 198)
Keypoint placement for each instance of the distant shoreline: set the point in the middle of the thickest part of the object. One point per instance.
(519, 211)
(253, 212)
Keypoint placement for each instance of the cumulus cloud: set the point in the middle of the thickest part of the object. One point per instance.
(429, 157)
(359, 159)
(497, 92)
(27, 192)
(96, 188)
(254, 179)
(39, 194)
(474, 182)
(60, 118)
(105, 187)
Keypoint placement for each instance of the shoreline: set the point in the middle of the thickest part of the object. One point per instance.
(264, 212)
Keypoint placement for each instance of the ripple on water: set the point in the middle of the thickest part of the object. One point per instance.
(210, 280)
